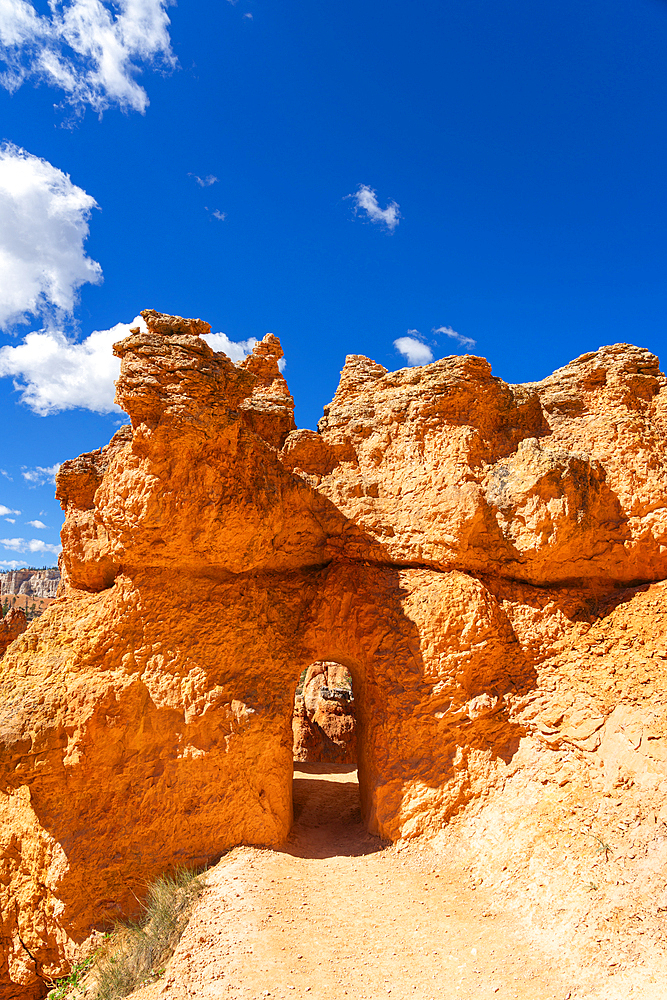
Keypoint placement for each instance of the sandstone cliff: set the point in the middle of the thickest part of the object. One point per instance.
(450, 467)
(32, 582)
(452, 540)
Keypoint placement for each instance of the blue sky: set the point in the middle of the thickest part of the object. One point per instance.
(523, 145)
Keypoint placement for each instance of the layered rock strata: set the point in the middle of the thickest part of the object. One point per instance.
(445, 536)
(31, 582)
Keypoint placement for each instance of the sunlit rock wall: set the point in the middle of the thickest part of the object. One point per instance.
(442, 536)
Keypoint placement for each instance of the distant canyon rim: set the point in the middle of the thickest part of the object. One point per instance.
(486, 561)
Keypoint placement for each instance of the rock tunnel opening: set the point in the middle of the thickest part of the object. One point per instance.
(324, 728)
(324, 720)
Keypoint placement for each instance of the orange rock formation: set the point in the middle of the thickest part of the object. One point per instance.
(445, 536)
(12, 625)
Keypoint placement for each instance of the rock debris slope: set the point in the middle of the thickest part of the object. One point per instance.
(448, 538)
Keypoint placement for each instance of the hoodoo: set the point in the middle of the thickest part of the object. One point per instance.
(445, 537)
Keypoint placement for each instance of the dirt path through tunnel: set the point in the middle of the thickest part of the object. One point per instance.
(336, 913)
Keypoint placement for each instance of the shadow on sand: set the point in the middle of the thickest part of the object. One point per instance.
(327, 814)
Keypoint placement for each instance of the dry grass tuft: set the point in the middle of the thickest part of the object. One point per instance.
(140, 950)
(136, 953)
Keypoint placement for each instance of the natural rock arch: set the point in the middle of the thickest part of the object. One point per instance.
(438, 536)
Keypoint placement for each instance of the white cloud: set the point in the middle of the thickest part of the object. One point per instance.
(204, 182)
(365, 199)
(11, 564)
(43, 224)
(40, 475)
(53, 373)
(459, 338)
(37, 524)
(10, 520)
(29, 545)
(414, 349)
(5, 511)
(248, 16)
(236, 350)
(90, 49)
(219, 215)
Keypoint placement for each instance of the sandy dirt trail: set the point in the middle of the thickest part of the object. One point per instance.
(336, 913)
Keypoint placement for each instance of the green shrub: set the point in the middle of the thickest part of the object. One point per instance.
(62, 988)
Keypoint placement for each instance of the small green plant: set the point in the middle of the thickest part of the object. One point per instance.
(61, 988)
(299, 687)
(603, 847)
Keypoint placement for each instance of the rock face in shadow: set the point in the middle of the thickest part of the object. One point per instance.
(442, 536)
